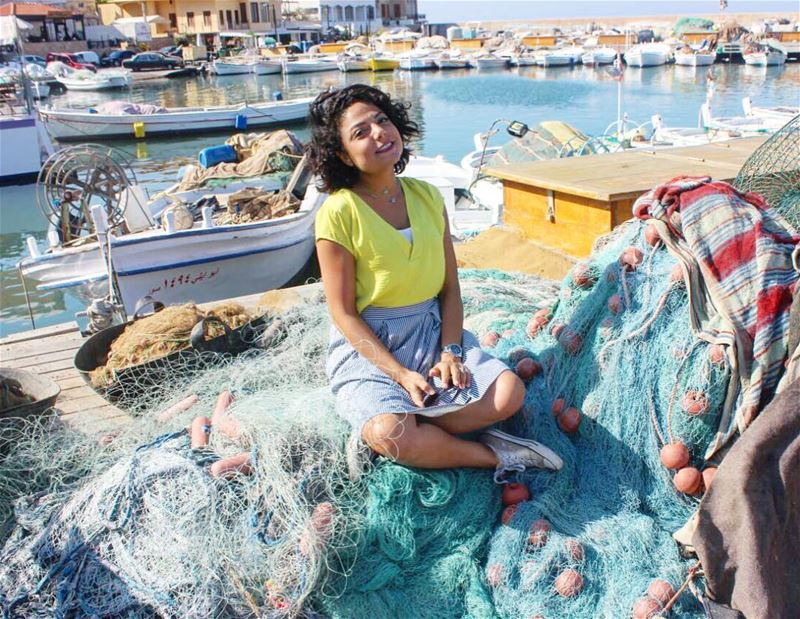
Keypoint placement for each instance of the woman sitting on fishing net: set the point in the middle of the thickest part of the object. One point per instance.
(406, 376)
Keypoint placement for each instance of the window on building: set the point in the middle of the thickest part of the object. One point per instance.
(190, 20)
(397, 11)
(229, 15)
(385, 11)
(370, 12)
(221, 19)
(173, 20)
(254, 12)
(339, 14)
(243, 12)
(265, 12)
(236, 16)
(207, 19)
(348, 13)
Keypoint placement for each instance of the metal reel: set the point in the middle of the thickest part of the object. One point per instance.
(77, 178)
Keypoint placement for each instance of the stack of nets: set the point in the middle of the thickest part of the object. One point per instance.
(250, 204)
(162, 334)
(141, 524)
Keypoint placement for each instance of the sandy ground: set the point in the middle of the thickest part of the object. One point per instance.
(507, 250)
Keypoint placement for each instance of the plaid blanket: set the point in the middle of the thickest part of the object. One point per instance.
(737, 255)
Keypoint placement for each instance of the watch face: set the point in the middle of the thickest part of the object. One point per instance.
(453, 349)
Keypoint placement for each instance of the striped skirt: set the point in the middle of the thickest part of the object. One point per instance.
(412, 334)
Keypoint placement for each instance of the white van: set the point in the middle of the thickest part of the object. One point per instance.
(88, 57)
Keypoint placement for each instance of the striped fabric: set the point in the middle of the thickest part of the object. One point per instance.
(738, 257)
(412, 335)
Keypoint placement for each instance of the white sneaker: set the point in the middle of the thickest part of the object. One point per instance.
(517, 454)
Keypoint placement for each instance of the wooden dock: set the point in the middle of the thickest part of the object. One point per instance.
(567, 203)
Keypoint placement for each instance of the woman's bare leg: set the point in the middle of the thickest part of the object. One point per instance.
(423, 445)
(501, 401)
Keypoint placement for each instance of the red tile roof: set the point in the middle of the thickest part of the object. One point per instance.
(32, 9)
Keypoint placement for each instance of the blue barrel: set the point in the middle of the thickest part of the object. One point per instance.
(277, 96)
(211, 156)
(240, 122)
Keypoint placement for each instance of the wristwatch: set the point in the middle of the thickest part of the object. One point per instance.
(453, 349)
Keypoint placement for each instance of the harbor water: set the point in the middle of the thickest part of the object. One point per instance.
(450, 107)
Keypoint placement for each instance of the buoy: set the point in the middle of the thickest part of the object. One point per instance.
(138, 130)
(631, 258)
(661, 591)
(575, 549)
(708, 476)
(201, 429)
(518, 353)
(651, 235)
(605, 328)
(676, 275)
(508, 333)
(508, 513)
(494, 574)
(515, 493)
(570, 341)
(688, 480)
(558, 406)
(569, 583)
(537, 322)
(716, 353)
(694, 402)
(615, 303)
(527, 368)
(539, 532)
(674, 456)
(569, 420)
(490, 339)
(556, 329)
(583, 276)
(178, 407)
(231, 466)
(319, 528)
(646, 608)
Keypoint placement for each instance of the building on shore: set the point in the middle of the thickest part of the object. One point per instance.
(208, 22)
(353, 17)
(50, 23)
(399, 13)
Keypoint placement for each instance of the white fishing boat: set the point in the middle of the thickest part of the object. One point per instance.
(599, 55)
(348, 63)
(765, 57)
(88, 81)
(417, 61)
(526, 59)
(744, 125)
(489, 62)
(82, 125)
(689, 57)
(451, 60)
(308, 65)
(555, 58)
(783, 113)
(648, 55)
(231, 67)
(266, 67)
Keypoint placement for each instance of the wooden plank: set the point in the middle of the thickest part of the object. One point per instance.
(42, 357)
(37, 334)
(620, 176)
(35, 347)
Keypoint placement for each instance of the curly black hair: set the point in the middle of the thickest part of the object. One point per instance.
(326, 144)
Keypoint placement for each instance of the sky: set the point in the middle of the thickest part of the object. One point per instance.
(440, 11)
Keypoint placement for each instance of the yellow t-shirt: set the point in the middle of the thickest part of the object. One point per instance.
(390, 271)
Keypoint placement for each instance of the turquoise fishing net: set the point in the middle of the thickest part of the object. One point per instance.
(318, 528)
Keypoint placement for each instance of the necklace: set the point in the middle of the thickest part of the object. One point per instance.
(385, 195)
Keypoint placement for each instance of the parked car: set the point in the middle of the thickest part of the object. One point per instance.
(33, 59)
(88, 58)
(172, 50)
(70, 60)
(116, 57)
(152, 60)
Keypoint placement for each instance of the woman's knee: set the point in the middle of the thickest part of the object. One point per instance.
(509, 394)
(391, 436)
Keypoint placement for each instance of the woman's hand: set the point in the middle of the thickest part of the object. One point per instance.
(416, 385)
(449, 369)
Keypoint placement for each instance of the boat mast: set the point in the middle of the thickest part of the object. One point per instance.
(26, 87)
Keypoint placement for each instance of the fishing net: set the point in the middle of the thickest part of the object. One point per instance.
(773, 171)
(259, 504)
